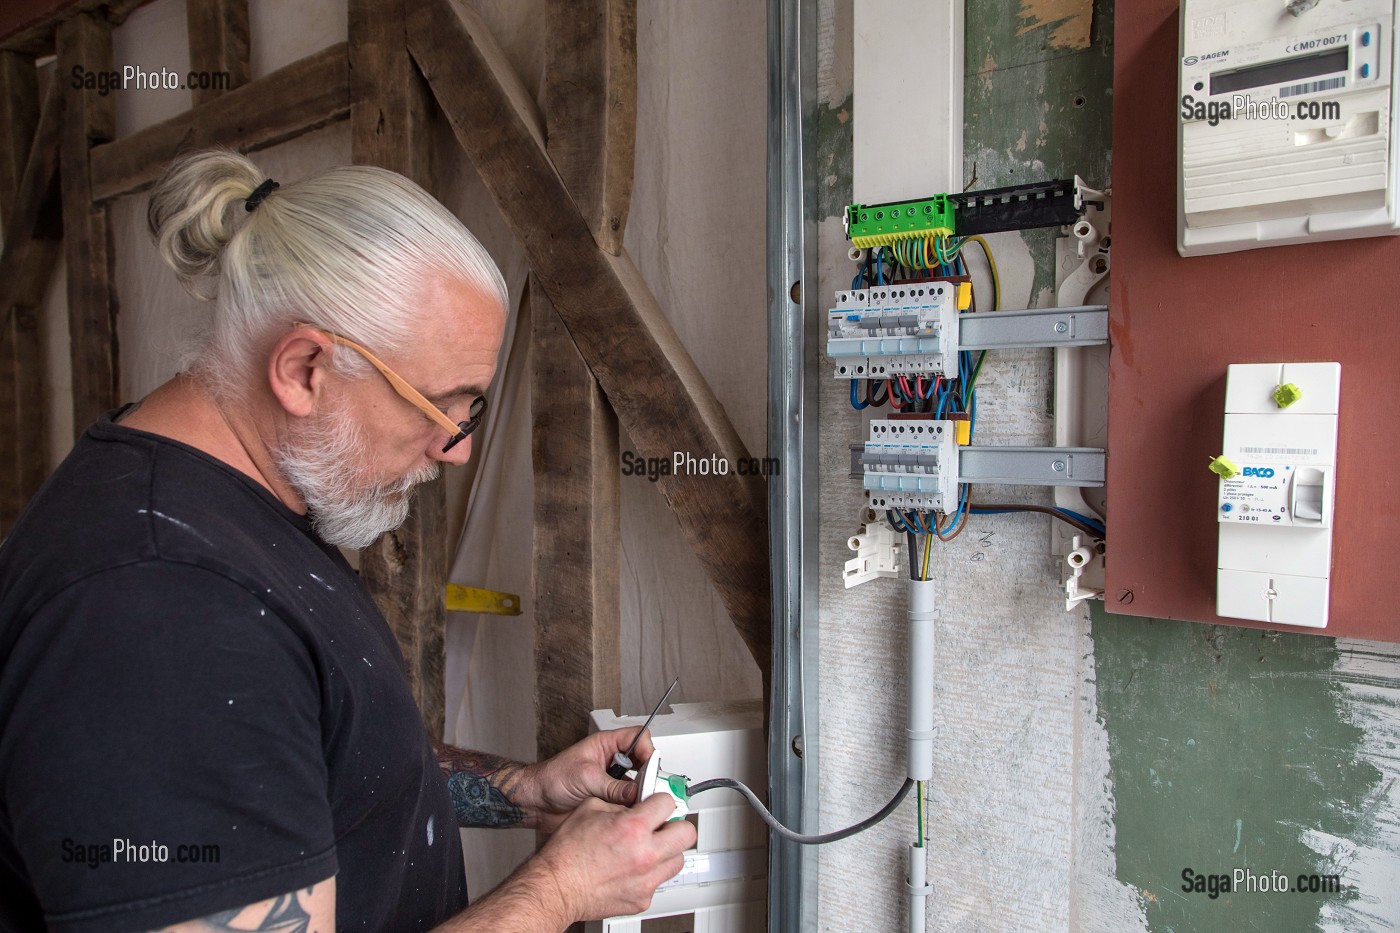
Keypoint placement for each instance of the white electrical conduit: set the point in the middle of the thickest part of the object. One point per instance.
(923, 615)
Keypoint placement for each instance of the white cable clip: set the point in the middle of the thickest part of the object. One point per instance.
(877, 548)
(1078, 558)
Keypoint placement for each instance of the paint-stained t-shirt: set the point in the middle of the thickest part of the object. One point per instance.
(201, 708)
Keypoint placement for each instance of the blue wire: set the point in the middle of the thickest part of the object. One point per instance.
(855, 282)
(971, 414)
(856, 403)
(896, 522)
(1091, 522)
(880, 267)
(1086, 519)
(960, 514)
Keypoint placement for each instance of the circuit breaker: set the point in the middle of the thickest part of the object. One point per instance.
(911, 464)
(887, 330)
(1277, 472)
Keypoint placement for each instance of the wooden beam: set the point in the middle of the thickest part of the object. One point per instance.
(390, 107)
(304, 96)
(33, 235)
(218, 35)
(406, 569)
(399, 571)
(19, 115)
(28, 26)
(85, 41)
(577, 527)
(34, 223)
(591, 108)
(577, 536)
(652, 383)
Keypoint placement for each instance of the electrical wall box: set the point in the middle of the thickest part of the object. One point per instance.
(873, 333)
(1277, 471)
(722, 887)
(1285, 118)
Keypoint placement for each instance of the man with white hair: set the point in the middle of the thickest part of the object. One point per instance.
(204, 721)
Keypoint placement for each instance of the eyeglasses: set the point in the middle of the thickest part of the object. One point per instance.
(457, 431)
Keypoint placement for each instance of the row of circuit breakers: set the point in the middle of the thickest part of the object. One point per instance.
(920, 327)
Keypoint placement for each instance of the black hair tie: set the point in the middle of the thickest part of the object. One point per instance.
(260, 192)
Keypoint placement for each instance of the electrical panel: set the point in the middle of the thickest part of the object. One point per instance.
(909, 334)
(721, 888)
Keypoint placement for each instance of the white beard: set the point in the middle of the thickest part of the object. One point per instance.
(319, 462)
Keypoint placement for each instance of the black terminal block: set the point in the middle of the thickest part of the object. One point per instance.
(1018, 207)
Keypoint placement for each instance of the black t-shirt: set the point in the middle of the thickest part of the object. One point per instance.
(200, 708)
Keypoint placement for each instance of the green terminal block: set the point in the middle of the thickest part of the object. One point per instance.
(1224, 467)
(870, 225)
(676, 782)
(1287, 394)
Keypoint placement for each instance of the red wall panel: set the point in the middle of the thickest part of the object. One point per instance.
(1176, 325)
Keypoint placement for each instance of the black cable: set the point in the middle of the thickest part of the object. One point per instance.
(913, 552)
(781, 830)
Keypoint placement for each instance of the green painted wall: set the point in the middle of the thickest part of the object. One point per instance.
(1227, 746)
(1033, 109)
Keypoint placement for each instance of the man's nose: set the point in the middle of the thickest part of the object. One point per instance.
(460, 453)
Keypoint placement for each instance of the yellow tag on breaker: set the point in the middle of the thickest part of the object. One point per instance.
(964, 302)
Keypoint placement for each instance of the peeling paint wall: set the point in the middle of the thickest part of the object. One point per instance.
(1257, 751)
(1082, 762)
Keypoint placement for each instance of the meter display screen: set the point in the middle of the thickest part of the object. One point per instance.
(1281, 72)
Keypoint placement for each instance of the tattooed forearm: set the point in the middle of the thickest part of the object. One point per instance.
(285, 914)
(485, 788)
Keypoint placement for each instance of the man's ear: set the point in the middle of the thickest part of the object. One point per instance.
(296, 369)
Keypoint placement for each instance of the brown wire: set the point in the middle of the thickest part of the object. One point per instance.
(961, 525)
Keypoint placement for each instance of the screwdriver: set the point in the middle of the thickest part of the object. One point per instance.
(622, 762)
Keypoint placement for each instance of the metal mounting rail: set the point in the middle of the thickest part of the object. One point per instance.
(1032, 466)
(1080, 326)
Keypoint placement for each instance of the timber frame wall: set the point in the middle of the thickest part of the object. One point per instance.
(603, 344)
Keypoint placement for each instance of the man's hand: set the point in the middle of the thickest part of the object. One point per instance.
(604, 861)
(556, 787)
(609, 861)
